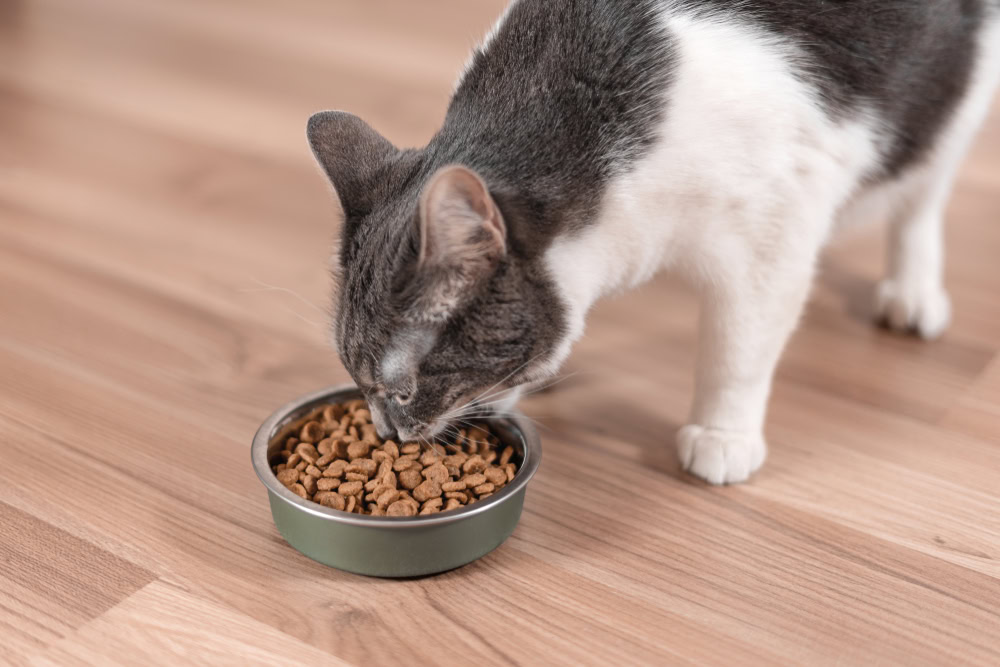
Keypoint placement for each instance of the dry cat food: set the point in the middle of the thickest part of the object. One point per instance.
(336, 459)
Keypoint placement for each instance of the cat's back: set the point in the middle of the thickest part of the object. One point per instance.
(566, 94)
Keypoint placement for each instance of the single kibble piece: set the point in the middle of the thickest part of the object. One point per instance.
(306, 451)
(452, 504)
(427, 490)
(460, 495)
(474, 464)
(325, 448)
(475, 480)
(350, 488)
(340, 446)
(311, 432)
(327, 483)
(453, 486)
(508, 451)
(432, 506)
(496, 475)
(333, 501)
(410, 448)
(410, 478)
(405, 462)
(288, 476)
(336, 469)
(437, 472)
(366, 466)
(309, 482)
(387, 498)
(391, 448)
(358, 449)
(484, 488)
(299, 490)
(401, 508)
(455, 460)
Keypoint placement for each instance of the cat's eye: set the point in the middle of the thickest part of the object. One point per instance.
(402, 398)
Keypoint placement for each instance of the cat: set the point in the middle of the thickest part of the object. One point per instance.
(590, 144)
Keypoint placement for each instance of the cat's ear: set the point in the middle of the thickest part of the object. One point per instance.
(460, 225)
(351, 153)
(462, 238)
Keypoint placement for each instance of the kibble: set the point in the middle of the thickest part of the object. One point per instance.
(336, 459)
(410, 478)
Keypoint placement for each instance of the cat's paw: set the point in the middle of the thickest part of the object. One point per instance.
(921, 309)
(720, 457)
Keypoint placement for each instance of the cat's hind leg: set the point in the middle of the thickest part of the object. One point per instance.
(912, 297)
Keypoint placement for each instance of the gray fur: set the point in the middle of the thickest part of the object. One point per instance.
(567, 95)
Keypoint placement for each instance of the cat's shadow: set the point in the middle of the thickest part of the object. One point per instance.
(602, 416)
(855, 291)
(650, 433)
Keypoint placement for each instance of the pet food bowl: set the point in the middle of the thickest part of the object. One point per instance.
(383, 546)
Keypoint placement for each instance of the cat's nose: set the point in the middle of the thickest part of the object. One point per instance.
(383, 426)
(408, 435)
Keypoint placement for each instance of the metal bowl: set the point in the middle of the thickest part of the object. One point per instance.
(391, 546)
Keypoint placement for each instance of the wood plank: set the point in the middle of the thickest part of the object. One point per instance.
(164, 625)
(52, 582)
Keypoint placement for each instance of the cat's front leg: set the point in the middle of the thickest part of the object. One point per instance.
(747, 313)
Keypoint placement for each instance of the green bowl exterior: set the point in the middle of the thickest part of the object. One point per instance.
(396, 551)
(392, 547)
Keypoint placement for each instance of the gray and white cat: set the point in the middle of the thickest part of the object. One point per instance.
(591, 143)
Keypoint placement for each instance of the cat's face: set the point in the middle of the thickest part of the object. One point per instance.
(433, 307)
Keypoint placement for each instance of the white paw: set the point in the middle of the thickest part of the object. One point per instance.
(921, 309)
(720, 457)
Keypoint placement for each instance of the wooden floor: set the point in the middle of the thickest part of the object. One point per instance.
(163, 232)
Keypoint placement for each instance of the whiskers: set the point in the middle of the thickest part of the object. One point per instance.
(265, 287)
(497, 404)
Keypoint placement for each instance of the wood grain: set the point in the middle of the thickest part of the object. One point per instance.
(163, 245)
(165, 624)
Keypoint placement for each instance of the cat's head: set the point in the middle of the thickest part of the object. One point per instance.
(438, 299)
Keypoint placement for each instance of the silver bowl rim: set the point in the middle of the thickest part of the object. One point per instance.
(261, 465)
